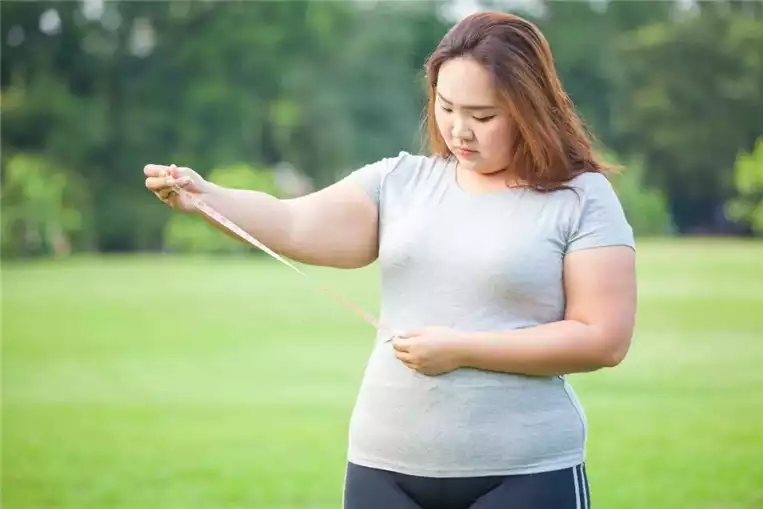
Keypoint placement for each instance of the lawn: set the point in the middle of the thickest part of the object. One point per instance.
(184, 383)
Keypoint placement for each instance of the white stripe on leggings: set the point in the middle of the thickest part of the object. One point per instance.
(584, 484)
(581, 489)
(577, 487)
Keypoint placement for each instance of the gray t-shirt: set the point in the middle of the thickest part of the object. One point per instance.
(473, 262)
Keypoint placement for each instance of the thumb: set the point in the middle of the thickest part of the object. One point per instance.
(401, 345)
(409, 334)
(186, 178)
(180, 172)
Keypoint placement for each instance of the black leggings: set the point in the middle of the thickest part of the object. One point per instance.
(369, 488)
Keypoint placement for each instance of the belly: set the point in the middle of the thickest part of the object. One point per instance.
(464, 422)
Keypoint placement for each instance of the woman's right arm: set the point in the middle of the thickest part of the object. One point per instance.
(336, 226)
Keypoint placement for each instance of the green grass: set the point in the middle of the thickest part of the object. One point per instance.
(159, 382)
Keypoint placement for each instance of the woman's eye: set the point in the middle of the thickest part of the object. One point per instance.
(484, 119)
(444, 108)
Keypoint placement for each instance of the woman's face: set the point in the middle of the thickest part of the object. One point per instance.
(476, 130)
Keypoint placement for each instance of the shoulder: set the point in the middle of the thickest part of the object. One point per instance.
(592, 189)
(396, 171)
(592, 183)
(409, 163)
(404, 162)
(599, 218)
(407, 167)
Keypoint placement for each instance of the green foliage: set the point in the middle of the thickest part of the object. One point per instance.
(587, 66)
(688, 99)
(111, 90)
(41, 209)
(645, 207)
(192, 234)
(747, 206)
(267, 82)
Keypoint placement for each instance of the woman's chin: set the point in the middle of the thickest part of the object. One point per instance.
(479, 168)
(470, 162)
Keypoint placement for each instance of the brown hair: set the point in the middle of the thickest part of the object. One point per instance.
(552, 144)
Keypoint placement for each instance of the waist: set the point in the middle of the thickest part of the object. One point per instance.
(466, 422)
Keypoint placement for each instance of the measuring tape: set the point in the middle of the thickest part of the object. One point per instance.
(233, 227)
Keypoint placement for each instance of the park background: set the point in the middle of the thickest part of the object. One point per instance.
(150, 361)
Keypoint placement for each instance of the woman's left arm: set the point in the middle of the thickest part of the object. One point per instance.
(599, 277)
(600, 292)
(600, 289)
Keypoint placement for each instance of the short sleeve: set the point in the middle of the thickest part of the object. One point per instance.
(371, 176)
(600, 220)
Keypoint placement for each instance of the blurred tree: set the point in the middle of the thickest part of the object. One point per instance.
(645, 207)
(42, 208)
(381, 79)
(99, 89)
(106, 88)
(690, 99)
(582, 36)
(747, 206)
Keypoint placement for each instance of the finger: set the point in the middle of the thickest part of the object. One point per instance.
(407, 361)
(404, 356)
(156, 183)
(179, 171)
(410, 366)
(181, 181)
(166, 195)
(156, 170)
(174, 171)
(409, 334)
(401, 346)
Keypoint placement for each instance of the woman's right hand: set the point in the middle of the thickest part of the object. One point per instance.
(163, 180)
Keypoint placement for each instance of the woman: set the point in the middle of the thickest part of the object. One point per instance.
(507, 263)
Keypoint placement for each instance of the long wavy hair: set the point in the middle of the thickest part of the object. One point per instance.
(551, 144)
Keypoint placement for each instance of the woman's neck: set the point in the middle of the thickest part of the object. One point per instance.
(475, 182)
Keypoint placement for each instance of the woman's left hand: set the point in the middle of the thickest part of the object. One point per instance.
(431, 350)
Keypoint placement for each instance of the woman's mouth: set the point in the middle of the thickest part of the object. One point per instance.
(465, 152)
